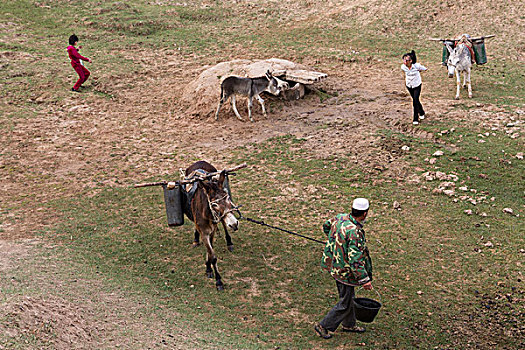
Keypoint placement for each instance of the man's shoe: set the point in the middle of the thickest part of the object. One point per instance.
(323, 332)
(415, 122)
(421, 117)
(354, 329)
(75, 90)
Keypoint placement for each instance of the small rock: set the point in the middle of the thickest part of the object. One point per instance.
(468, 212)
(519, 155)
(432, 160)
(405, 148)
(463, 188)
(449, 193)
(438, 153)
(441, 175)
(437, 191)
(481, 141)
(419, 292)
(483, 214)
(447, 184)
(489, 244)
(397, 205)
(508, 211)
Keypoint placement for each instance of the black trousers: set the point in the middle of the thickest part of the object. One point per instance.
(343, 312)
(418, 108)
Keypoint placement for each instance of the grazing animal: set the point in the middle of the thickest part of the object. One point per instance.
(250, 87)
(211, 204)
(460, 61)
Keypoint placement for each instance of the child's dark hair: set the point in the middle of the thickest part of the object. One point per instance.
(412, 55)
(73, 39)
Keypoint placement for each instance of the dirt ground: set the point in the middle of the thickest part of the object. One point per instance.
(145, 131)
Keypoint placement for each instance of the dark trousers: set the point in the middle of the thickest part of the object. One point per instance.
(418, 108)
(343, 312)
(83, 74)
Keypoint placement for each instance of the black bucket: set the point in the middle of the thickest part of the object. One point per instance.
(366, 309)
(174, 210)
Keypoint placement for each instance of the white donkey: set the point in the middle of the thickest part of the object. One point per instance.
(460, 61)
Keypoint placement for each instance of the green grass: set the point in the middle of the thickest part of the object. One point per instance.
(274, 287)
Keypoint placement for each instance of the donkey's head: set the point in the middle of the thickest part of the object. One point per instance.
(459, 58)
(220, 203)
(273, 84)
(453, 59)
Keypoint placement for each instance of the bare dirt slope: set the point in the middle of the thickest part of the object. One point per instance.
(145, 131)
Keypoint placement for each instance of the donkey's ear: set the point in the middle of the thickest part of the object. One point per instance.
(221, 178)
(204, 185)
(448, 48)
(269, 75)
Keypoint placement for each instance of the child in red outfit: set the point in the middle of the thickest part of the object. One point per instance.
(75, 57)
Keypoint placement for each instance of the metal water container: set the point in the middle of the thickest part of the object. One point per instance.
(174, 210)
(479, 51)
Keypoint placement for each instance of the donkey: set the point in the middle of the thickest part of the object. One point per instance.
(207, 167)
(460, 62)
(250, 87)
(211, 204)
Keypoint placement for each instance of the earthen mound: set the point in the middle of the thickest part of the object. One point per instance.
(203, 93)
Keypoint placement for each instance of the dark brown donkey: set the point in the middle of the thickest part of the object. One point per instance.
(211, 204)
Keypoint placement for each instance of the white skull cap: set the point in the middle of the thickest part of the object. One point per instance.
(360, 204)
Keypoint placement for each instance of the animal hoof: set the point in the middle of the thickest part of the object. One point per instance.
(220, 287)
(230, 248)
(457, 98)
(469, 96)
(195, 244)
(209, 274)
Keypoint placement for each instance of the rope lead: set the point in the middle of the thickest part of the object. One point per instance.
(280, 229)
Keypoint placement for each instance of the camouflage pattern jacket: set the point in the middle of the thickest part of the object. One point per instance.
(346, 256)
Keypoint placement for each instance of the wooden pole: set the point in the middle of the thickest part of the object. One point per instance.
(196, 178)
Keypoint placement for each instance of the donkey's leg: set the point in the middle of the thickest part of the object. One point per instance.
(212, 260)
(228, 238)
(196, 240)
(250, 103)
(468, 84)
(235, 108)
(458, 83)
(261, 101)
(209, 254)
(221, 101)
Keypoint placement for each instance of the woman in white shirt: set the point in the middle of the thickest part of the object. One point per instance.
(413, 83)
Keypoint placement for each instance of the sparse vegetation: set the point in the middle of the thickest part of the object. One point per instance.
(448, 266)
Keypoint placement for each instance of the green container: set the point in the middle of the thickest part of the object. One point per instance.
(444, 57)
(479, 51)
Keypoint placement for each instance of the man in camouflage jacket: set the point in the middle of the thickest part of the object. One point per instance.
(347, 259)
